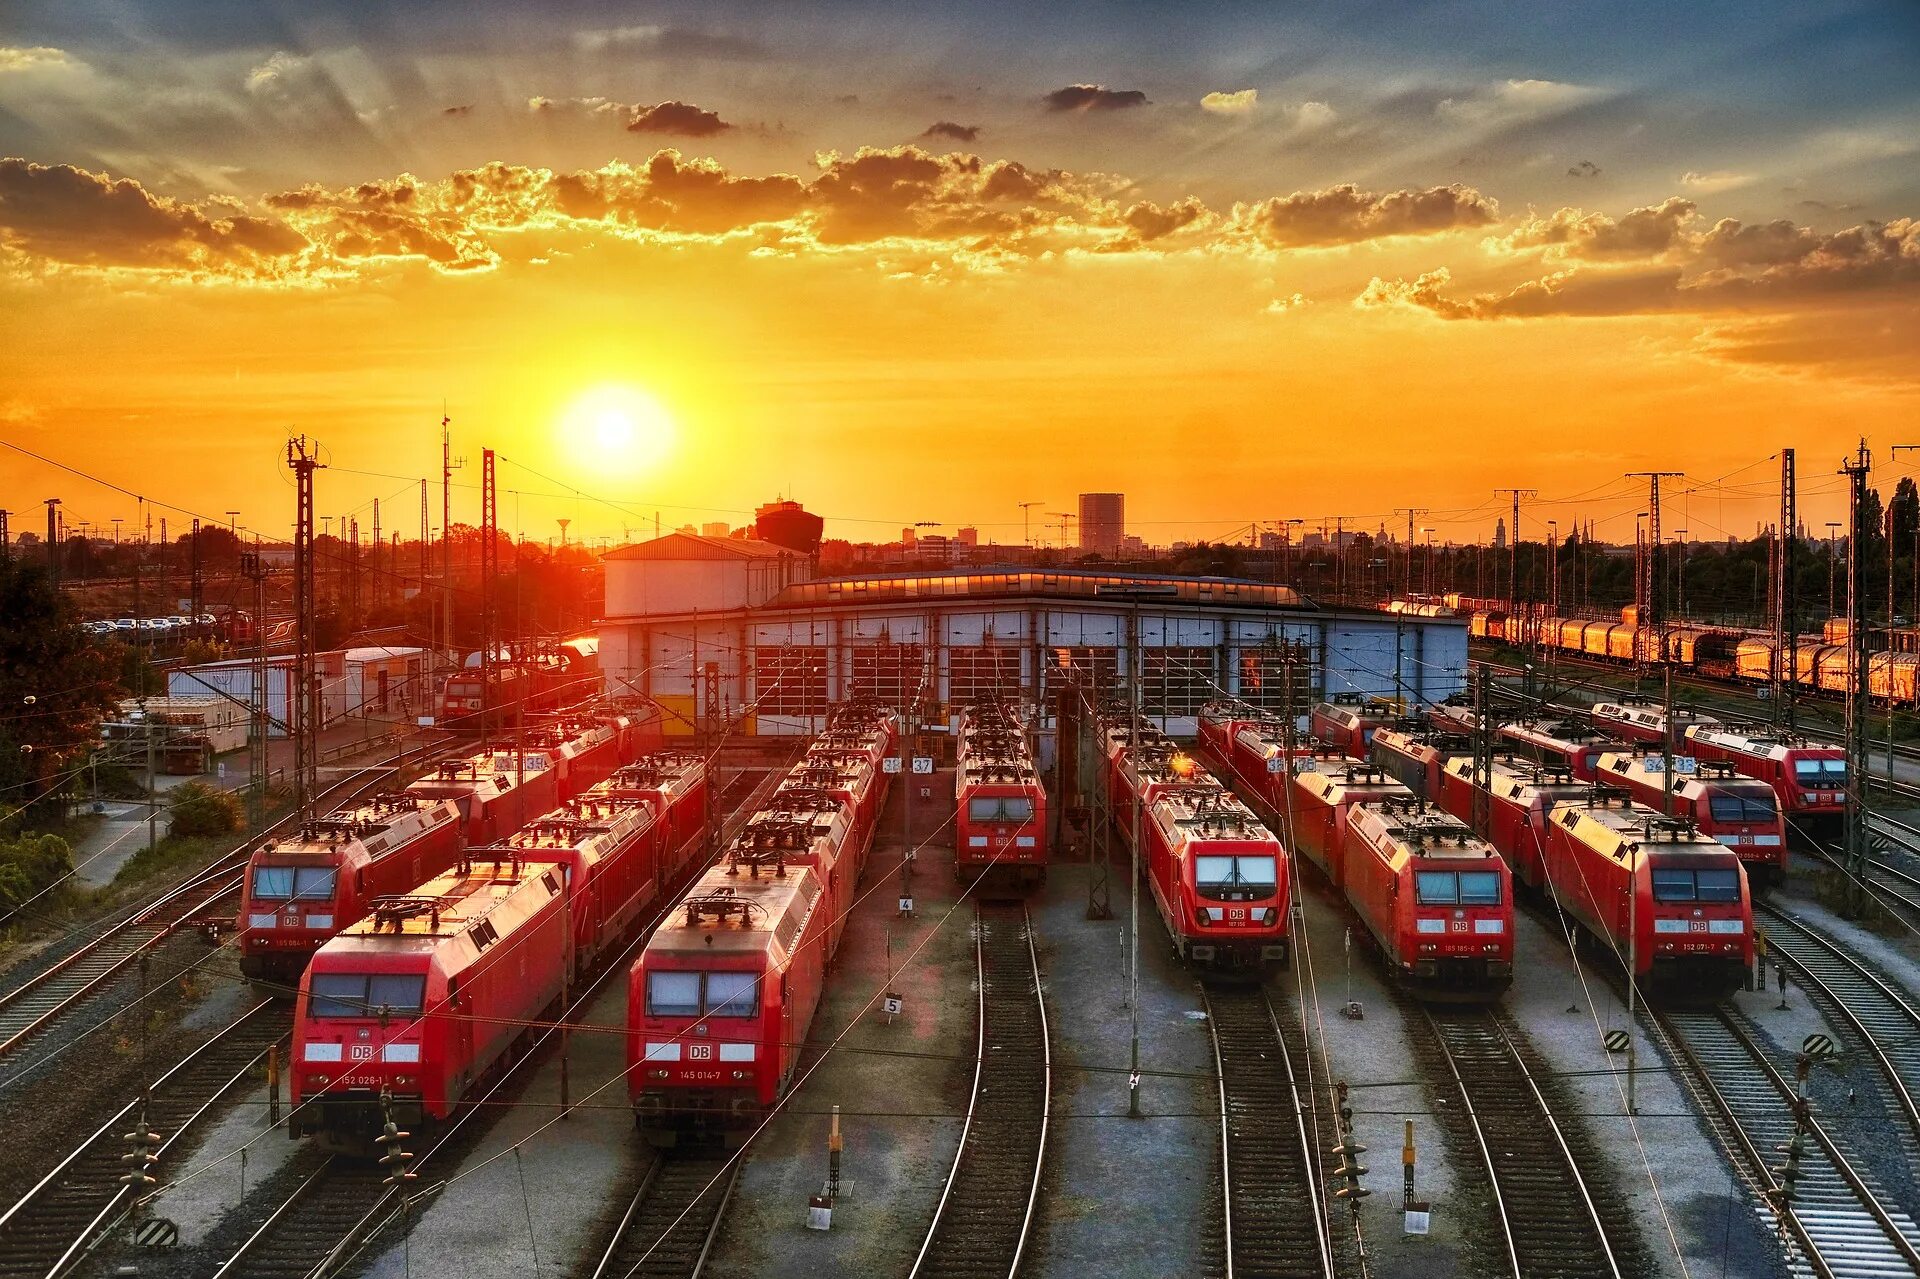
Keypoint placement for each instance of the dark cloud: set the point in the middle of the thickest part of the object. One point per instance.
(1347, 215)
(1584, 169)
(948, 129)
(465, 108)
(671, 193)
(1149, 222)
(1094, 97)
(65, 214)
(680, 118)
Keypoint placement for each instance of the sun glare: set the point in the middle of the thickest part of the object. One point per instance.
(617, 427)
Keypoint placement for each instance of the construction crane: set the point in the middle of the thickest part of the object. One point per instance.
(1026, 527)
(1065, 518)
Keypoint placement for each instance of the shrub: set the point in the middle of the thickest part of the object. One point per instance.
(199, 809)
(28, 865)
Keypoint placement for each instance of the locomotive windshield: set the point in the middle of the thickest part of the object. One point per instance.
(1457, 887)
(716, 994)
(1675, 884)
(1741, 808)
(1825, 773)
(1000, 808)
(293, 883)
(1235, 878)
(365, 994)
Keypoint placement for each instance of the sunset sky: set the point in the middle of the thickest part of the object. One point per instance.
(914, 262)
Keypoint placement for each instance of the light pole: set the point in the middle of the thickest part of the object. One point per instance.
(233, 523)
(1286, 548)
(1680, 572)
(118, 518)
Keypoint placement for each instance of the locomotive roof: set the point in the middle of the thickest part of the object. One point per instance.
(591, 823)
(1512, 778)
(734, 914)
(1765, 747)
(1619, 828)
(389, 821)
(661, 768)
(1340, 787)
(1649, 715)
(1690, 776)
(450, 904)
(1565, 732)
(1201, 814)
(1418, 827)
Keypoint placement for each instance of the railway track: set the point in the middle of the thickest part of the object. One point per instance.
(984, 1219)
(668, 1229)
(1273, 1202)
(62, 987)
(51, 1227)
(1885, 1024)
(1551, 1221)
(1838, 1223)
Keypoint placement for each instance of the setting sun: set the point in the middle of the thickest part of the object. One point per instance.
(617, 427)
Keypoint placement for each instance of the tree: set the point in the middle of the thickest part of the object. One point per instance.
(55, 684)
(196, 808)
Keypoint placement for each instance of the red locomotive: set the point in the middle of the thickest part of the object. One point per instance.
(1321, 800)
(1563, 744)
(1521, 794)
(720, 1001)
(1671, 903)
(424, 996)
(1347, 721)
(517, 683)
(1416, 758)
(497, 792)
(1220, 720)
(1262, 760)
(1437, 899)
(1809, 781)
(1220, 880)
(1646, 722)
(301, 891)
(610, 850)
(674, 785)
(1739, 812)
(1000, 807)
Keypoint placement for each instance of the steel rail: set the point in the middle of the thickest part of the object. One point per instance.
(966, 1220)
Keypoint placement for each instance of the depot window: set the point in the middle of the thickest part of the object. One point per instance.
(365, 994)
(293, 883)
(1456, 888)
(1676, 885)
(1225, 878)
(712, 994)
(1741, 808)
(1003, 809)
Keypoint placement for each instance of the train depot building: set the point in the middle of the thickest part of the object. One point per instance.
(737, 633)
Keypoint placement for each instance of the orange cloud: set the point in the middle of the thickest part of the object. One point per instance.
(1345, 214)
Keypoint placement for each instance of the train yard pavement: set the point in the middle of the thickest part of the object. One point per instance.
(569, 1177)
(901, 1115)
(1123, 1197)
(1709, 1211)
(1374, 1056)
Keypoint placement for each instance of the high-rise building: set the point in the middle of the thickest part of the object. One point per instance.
(715, 528)
(1103, 522)
(969, 537)
(1500, 533)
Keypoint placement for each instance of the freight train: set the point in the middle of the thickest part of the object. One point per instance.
(1000, 806)
(720, 1001)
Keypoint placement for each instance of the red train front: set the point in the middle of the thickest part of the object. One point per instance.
(1809, 781)
(1437, 899)
(302, 890)
(1347, 721)
(1739, 812)
(720, 1001)
(1000, 806)
(1221, 881)
(1666, 899)
(423, 997)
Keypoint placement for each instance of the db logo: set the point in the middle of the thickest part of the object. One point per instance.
(700, 1052)
(1236, 912)
(360, 1052)
(1458, 925)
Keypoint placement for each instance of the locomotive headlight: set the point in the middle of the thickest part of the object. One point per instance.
(658, 1074)
(1200, 916)
(739, 1074)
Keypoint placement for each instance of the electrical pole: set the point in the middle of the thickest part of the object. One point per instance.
(53, 542)
(1651, 616)
(6, 538)
(1410, 512)
(259, 725)
(373, 567)
(1856, 470)
(489, 574)
(1784, 631)
(1513, 556)
(303, 697)
(198, 583)
(1026, 523)
(448, 465)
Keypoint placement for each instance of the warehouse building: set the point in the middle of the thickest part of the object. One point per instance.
(732, 631)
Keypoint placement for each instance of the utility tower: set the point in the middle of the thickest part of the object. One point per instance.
(1652, 615)
(259, 722)
(489, 575)
(1781, 672)
(1411, 512)
(53, 541)
(1529, 627)
(448, 465)
(1856, 469)
(304, 696)
(197, 587)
